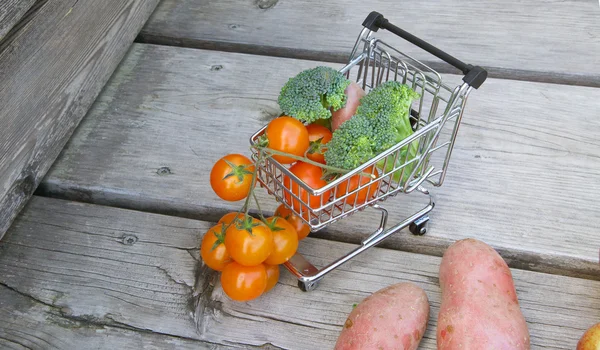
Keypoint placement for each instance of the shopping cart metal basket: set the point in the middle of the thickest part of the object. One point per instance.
(435, 117)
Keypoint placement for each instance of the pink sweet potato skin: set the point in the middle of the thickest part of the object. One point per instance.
(479, 308)
(353, 93)
(394, 317)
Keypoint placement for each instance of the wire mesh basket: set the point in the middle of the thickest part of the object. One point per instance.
(403, 168)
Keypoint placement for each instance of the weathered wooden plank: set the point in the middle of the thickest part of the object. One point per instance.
(52, 69)
(11, 12)
(71, 257)
(29, 324)
(520, 177)
(547, 41)
(139, 271)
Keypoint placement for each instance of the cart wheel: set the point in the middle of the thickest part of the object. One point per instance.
(419, 226)
(308, 286)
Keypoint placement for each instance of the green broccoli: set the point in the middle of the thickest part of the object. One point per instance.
(381, 121)
(313, 93)
(352, 143)
(391, 100)
(407, 153)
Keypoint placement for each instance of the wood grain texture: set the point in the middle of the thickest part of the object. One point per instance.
(547, 41)
(30, 324)
(140, 271)
(521, 177)
(72, 258)
(52, 69)
(11, 12)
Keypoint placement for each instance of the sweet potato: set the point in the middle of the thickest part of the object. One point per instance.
(590, 340)
(353, 93)
(394, 317)
(479, 308)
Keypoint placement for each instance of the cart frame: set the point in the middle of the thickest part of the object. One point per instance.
(435, 117)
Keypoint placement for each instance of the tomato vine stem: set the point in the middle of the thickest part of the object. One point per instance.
(246, 206)
(271, 152)
(260, 214)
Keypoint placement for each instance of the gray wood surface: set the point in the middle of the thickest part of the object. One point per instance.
(30, 324)
(550, 41)
(11, 12)
(52, 69)
(522, 176)
(109, 267)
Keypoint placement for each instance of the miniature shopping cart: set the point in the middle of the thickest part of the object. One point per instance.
(435, 117)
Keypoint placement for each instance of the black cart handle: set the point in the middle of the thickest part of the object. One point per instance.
(474, 75)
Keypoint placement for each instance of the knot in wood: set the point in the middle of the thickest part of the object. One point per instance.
(216, 67)
(27, 185)
(165, 170)
(129, 239)
(265, 4)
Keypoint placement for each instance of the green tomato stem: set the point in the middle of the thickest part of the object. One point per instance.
(260, 214)
(246, 206)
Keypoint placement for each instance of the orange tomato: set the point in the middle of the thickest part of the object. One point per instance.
(311, 175)
(229, 217)
(285, 240)
(302, 229)
(318, 136)
(231, 177)
(289, 135)
(272, 276)
(353, 183)
(243, 283)
(249, 242)
(212, 249)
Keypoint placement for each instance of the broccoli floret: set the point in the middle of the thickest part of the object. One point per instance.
(391, 100)
(313, 93)
(358, 140)
(381, 121)
(352, 144)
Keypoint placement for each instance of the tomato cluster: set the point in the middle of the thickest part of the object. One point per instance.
(248, 251)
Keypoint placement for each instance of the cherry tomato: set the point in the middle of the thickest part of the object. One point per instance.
(212, 250)
(249, 242)
(302, 229)
(272, 276)
(353, 183)
(231, 177)
(285, 240)
(318, 136)
(289, 135)
(243, 283)
(311, 175)
(229, 217)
